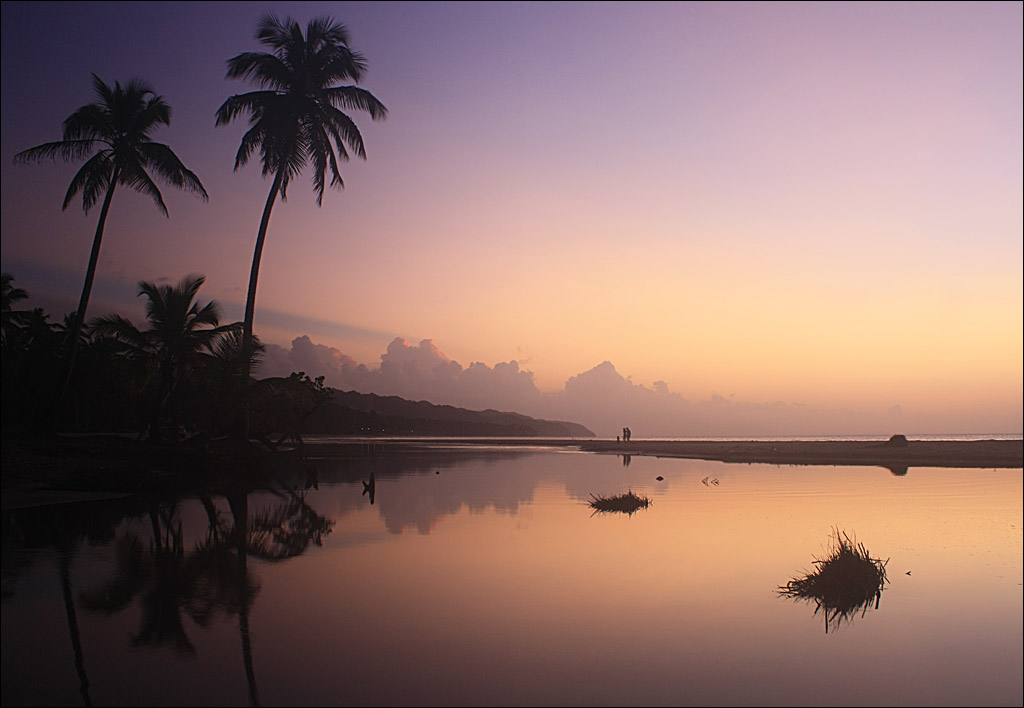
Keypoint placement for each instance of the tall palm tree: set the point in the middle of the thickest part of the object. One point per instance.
(180, 332)
(114, 134)
(296, 117)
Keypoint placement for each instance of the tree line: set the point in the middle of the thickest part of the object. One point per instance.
(185, 366)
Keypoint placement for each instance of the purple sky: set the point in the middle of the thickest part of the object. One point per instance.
(815, 204)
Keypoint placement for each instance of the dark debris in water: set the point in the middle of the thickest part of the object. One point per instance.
(847, 581)
(627, 503)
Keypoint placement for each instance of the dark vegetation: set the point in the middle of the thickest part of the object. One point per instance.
(351, 413)
(626, 503)
(114, 134)
(845, 583)
(167, 400)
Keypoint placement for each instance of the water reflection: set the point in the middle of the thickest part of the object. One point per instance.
(62, 529)
(371, 487)
(516, 596)
(628, 503)
(846, 582)
(160, 572)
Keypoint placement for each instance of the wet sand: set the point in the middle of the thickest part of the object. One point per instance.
(915, 453)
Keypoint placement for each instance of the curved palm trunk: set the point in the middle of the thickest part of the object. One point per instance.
(250, 299)
(83, 303)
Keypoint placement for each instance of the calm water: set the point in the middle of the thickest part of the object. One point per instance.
(481, 577)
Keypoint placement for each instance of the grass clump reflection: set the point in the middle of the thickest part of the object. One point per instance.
(627, 503)
(846, 581)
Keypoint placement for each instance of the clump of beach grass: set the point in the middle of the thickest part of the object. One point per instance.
(847, 581)
(626, 503)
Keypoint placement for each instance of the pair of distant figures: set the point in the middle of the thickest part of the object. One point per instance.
(626, 434)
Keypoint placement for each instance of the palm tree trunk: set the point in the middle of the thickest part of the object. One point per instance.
(250, 299)
(83, 303)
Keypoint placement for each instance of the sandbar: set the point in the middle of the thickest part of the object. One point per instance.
(914, 453)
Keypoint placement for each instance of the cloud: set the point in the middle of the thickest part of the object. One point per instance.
(600, 398)
(421, 372)
(339, 370)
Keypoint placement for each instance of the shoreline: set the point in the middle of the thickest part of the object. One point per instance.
(69, 468)
(873, 453)
(915, 453)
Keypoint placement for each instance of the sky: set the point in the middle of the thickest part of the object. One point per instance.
(689, 218)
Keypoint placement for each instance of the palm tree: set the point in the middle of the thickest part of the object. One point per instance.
(10, 319)
(114, 134)
(296, 117)
(180, 333)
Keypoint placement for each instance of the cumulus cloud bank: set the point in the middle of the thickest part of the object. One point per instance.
(600, 398)
(420, 372)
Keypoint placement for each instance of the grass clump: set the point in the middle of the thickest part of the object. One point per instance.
(845, 582)
(626, 503)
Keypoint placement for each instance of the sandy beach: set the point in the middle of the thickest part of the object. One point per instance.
(915, 453)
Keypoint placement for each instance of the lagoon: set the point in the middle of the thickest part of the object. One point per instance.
(480, 576)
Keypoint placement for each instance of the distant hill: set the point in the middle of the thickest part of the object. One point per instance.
(351, 413)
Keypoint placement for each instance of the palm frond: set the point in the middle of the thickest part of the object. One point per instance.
(271, 31)
(356, 98)
(91, 179)
(345, 127)
(188, 287)
(155, 112)
(162, 159)
(135, 176)
(67, 150)
(340, 63)
(265, 70)
(325, 31)
(121, 329)
(253, 102)
(91, 121)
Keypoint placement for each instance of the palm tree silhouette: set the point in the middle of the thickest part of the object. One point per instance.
(10, 319)
(180, 333)
(296, 117)
(114, 134)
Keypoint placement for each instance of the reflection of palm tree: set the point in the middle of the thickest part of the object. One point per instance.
(212, 578)
(117, 128)
(296, 117)
(287, 530)
(159, 574)
(239, 504)
(179, 331)
(63, 527)
(64, 558)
